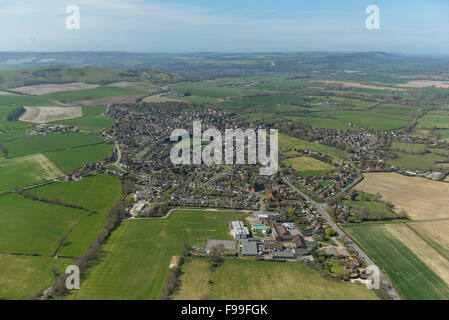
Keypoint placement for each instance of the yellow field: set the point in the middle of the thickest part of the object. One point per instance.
(436, 233)
(308, 164)
(421, 248)
(422, 199)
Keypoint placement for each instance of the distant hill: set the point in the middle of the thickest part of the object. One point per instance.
(56, 75)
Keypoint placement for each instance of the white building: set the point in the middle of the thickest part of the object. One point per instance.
(238, 230)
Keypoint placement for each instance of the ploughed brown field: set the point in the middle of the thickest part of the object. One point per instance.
(422, 199)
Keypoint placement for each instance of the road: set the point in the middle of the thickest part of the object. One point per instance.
(321, 207)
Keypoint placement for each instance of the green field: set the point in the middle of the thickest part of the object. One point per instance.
(99, 193)
(4, 124)
(435, 119)
(97, 93)
(135, 260)
(411, 161)
(28, 226)
(286, 143)
(21, 100)
(409, 274)
(71, 159)
(251, 279)
(415, 148)
(205, 89)
(21, 277)
(51, 142)
(307, 166)
(25, 171)
(91, 121)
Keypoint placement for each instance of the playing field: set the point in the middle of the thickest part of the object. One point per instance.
(250, 279)
(136, 258)
(308, 166)
(71, 159)
(21, 277)
(25, 171)
(50, 142)
(99, 192)
(410, 275)
(286, 143)
(28, 226)
(419, 197)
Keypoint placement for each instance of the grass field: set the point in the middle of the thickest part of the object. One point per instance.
(307, 166)
(435, 119)
(25, 171)
(410, 275)
(409, 147)
(97, 93)
(52, 142)
(415, 162)
(71, 159)
(21, 277)
(99, 193)
(135, 260)
(28, 226)
(286, 143)
(4, 124)
(250, 279)
(205, 89)
(91, 121)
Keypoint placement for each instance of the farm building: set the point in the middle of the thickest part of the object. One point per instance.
(238, 230)
(249, 247)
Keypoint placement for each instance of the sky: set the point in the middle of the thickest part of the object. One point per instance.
(413, 26)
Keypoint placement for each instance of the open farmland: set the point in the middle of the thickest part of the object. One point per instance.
(99, 193)
(92, 120)
(435, 233)
(420, 198)
(73, 158)
(50, 142)
(91, 94)
(150, 245)
(5, 124)
(28, 226)
(287, 143)
(52, 88)
(25, 171)
(435, 119)
(50, 114)
(263, 280)
(21, 277)
(415, 162)
(307, 166)
(410, 275)
(422, 249)
(98, 76)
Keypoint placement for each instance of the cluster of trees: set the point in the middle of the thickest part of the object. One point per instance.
(115, 216)
(4, 151)
(15, 114)
(56, 201)
(157, 209)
